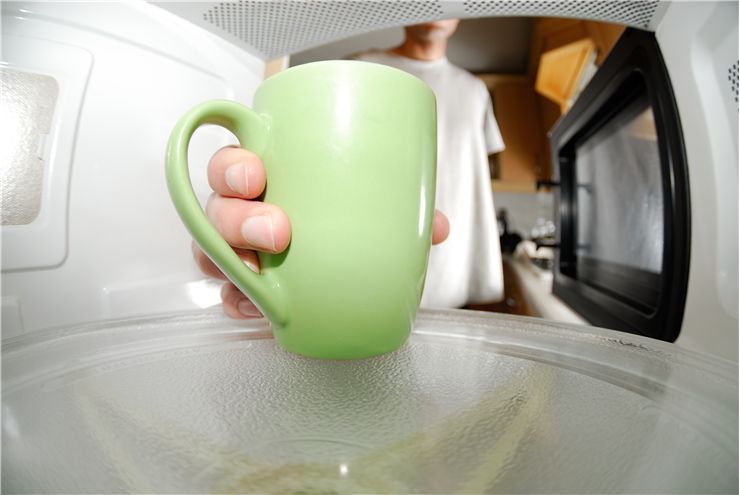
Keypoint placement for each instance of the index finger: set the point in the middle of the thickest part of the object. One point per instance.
(237, 173)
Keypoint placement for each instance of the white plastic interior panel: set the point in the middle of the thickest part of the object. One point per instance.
(43, 88)
(699, 41)
(274, 28)
(107, 242)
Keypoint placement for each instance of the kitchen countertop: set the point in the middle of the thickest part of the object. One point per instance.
(536, 286)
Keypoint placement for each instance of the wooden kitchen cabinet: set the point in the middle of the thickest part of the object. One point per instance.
(552, 33)
(517, 113)
(573, 48)
(562, 71)
(563, 54)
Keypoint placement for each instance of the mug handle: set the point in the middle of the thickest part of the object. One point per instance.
(251, 131)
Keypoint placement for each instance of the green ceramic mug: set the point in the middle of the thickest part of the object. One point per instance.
(349, 150)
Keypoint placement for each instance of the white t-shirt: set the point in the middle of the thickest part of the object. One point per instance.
(466, 268)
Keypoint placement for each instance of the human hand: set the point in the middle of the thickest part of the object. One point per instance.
(237, 178)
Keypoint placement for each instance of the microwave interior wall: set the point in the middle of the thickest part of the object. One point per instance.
(101, 240)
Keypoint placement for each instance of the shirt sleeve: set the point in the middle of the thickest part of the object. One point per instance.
(494, 141)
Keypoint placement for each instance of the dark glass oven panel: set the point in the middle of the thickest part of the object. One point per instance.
(619, 214)
(619, 193)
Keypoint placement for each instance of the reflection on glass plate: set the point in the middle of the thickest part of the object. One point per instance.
(472, 403)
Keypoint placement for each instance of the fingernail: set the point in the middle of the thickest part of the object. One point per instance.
(237, 178)
(252, 266)
(257, 231)
(248, 309)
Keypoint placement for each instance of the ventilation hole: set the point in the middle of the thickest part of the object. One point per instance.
(734, 82)
(631, 13)
(285, 27)
(277, 28)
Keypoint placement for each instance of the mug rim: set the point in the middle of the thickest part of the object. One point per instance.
(347, 63)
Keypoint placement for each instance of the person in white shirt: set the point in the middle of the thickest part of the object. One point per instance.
(466, 268)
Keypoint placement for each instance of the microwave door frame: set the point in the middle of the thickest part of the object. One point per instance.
(635, 59)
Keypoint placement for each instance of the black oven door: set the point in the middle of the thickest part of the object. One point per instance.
(622, 208)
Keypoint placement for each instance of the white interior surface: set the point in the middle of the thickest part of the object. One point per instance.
(42, 243)
(699, 42)
(128, 72)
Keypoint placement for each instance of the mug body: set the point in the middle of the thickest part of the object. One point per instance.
(350, 156)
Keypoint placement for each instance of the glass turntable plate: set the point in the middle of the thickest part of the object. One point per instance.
(195, 403)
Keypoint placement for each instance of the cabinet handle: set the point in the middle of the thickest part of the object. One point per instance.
(540, 183)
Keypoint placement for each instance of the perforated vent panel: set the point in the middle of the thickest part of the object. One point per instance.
(281, 27)
(630, 13)
(276, 28)
(732, 77)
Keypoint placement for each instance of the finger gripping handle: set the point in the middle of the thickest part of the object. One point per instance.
(251, 131)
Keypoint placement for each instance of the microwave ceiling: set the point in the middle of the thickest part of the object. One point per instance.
(273, 28)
